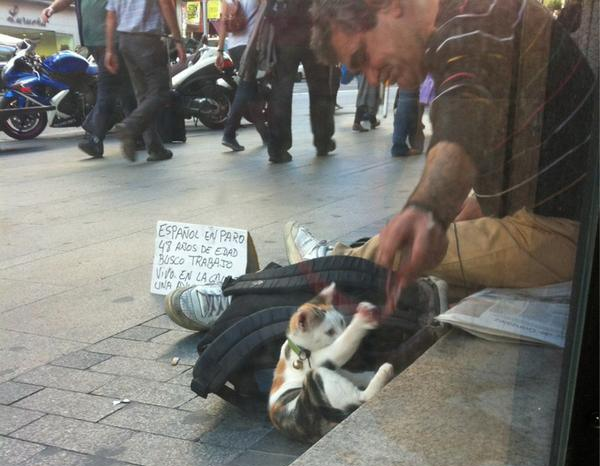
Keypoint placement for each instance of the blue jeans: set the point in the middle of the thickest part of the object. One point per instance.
(111, 87)
(405, 121)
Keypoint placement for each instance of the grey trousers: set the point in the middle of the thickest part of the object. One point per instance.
(146, 58)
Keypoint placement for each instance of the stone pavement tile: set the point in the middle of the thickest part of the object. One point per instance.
(66, 378)
(172, 337)
(141, 368)
(156, 450)
(185, 349)
(184, 378)
(162, 321)
(14, 451)
(14, 391)
(52, 456)
(71, 434)
(261, 458)
(211, 405)
(17, 293)
(162, 421)
(130, 348)
(146, 391)
(276, 442)
(237, 431)
(140, 333)
(20, 352)
(80, 359)
(112, 304)
(69, 404)
(12, 418)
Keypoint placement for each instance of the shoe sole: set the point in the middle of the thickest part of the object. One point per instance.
(293, 255)
(233, 147)
(175, 314)
(91, 153)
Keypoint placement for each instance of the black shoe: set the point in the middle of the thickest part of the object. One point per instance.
(166, 154)
(359, 128)
(232, 144)
(128, 141)
(280, 158)
(324, 151)
(375, 123)
(92, 146)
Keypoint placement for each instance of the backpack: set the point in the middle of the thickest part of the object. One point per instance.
(238, 355)
(234, 17)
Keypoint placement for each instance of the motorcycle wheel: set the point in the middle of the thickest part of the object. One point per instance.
(215, 117)
(22, 127)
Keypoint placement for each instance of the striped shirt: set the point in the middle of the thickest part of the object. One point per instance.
(515, 92)
(141, 16)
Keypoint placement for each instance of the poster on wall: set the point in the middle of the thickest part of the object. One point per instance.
(193, 13)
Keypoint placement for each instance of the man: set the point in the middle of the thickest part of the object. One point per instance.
(292, 47)
(246, 95)
(90, 19)
(141, 25)
(512, 121)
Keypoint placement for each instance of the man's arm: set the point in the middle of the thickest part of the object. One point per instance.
(222, 36)
(55, 7)
(419, 231)
(167, 9)
(111, 61)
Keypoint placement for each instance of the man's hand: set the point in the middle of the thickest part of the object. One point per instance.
(46, 14)
(111, 61)
(181, 52)
(421, 243)
(220, 61)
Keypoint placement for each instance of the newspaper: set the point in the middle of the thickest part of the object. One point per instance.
(536, 315)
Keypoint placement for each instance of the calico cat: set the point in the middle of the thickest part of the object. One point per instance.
(310, 392)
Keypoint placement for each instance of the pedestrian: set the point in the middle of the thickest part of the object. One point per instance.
(367, 105)
(292, 46)
(140, 25)
(246, 98)
(406, 122)
(111, 88)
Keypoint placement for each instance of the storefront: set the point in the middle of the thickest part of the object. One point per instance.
(21, 19)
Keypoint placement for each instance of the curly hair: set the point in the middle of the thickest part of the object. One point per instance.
(351, 16)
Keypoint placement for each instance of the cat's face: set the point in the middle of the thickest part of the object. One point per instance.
(316, 324)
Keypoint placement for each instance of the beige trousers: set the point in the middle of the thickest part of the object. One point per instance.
(518, 251)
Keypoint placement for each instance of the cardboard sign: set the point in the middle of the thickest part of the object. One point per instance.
(188, 254)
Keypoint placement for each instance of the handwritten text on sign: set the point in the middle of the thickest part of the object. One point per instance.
(188, 254)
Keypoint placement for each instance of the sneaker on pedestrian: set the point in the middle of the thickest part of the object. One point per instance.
(128, 141)
(165, 154)
(280, 158)
(196, 307)
(359, 128)
(301, 245)
(232, 144)
(92, 146)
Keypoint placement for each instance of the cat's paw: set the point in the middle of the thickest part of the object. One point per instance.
(368, 314)
(387, 372)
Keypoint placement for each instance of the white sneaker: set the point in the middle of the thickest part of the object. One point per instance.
(301, 245)
(196, 307)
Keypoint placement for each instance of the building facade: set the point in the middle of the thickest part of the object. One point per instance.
(21, 19)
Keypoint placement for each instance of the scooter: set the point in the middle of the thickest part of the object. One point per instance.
(207, 92)
(65, 81)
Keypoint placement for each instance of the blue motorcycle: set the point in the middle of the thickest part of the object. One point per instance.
(65, 81)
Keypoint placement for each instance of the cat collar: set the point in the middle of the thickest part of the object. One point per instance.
(303, 355)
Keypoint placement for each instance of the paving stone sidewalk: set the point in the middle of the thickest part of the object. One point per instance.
(78, 326)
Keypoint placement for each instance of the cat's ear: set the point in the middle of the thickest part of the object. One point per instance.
(302, 321)
(328, 293)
